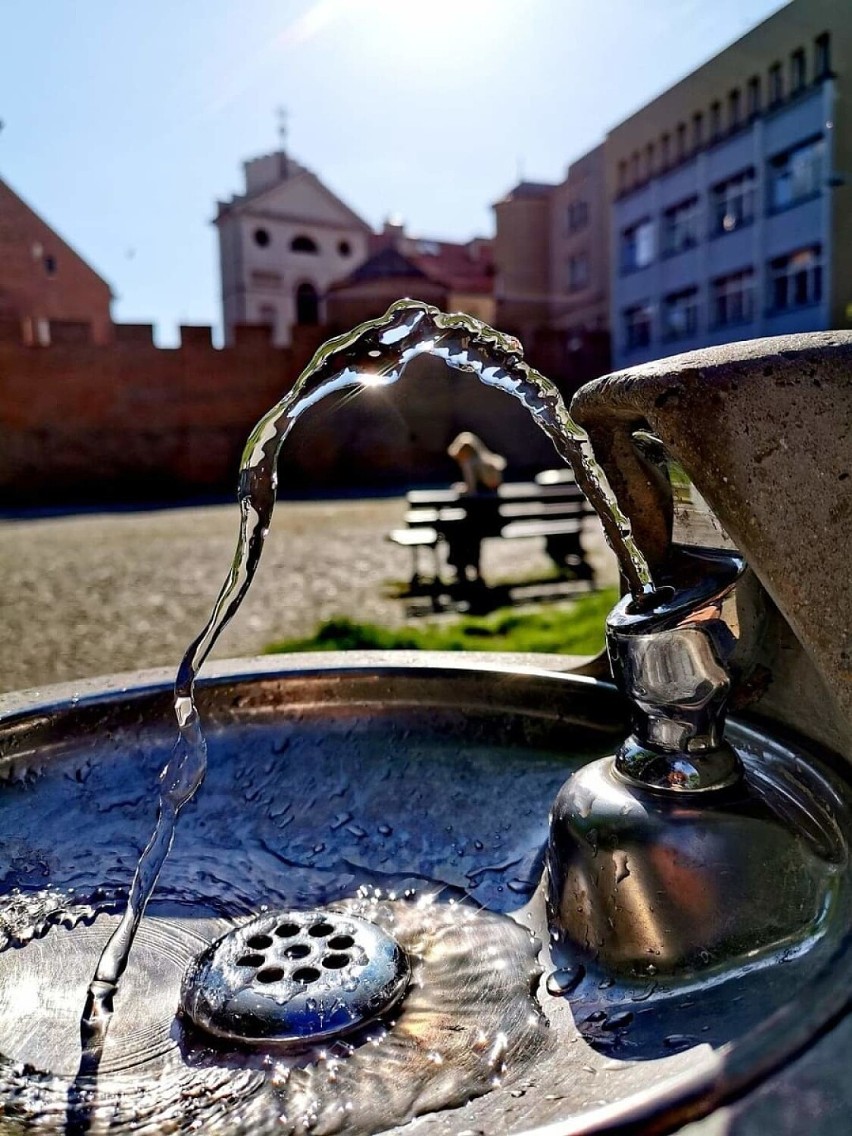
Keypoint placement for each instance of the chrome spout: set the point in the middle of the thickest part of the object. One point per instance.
(658, 857)
(673, 655)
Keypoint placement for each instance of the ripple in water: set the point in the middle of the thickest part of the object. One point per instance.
(468, 1024)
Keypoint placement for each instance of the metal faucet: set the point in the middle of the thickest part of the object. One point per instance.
(658, 856)
(672, 653)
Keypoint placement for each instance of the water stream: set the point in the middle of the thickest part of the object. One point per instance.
(374, 354)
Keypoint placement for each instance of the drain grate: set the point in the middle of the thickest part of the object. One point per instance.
(295, 977)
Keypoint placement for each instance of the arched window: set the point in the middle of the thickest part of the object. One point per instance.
(307, 305)
(303, 243)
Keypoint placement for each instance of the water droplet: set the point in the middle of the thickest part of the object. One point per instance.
(562, 982)
(385, 830)
(618, 1021)
(679, 1041)
(622, 869)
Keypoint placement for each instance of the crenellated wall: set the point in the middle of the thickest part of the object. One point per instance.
(129, 421)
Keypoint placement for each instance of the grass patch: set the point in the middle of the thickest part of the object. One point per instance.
(574, 629)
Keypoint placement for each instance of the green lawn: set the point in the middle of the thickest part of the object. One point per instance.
(571, 629)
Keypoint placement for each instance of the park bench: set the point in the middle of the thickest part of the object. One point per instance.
(552, 506)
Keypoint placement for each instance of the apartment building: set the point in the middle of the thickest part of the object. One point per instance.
(552, 270)
(731, 193)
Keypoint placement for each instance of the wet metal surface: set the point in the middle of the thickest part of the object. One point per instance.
(415, 796)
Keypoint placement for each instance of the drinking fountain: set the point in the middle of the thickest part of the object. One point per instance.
(659, 943)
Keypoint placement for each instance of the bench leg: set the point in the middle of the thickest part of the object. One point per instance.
(436, 564)
(566, 552)
(415, 567)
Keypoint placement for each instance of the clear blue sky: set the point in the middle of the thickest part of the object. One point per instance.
(124, 122)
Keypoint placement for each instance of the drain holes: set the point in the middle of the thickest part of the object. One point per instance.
(287, 930)
(294, 978)
(259, 942)
(251, 960)
(320, 930)
(341, 942)
(305, 974)
(270, 974)
(335, 962)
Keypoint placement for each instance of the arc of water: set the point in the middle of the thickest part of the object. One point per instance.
(374, 354)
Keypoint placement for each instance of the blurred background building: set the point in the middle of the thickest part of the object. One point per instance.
(731, 214)
(42, 278)
(282, 243)
(551, 253)
(720, 211)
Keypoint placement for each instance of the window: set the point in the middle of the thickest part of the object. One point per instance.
(822, 56)
(795, 280)
(680, 227)
(665, 151)
(797, 71)
(344, 248)
(622, 176)
(715, 121)
(637, 327)
(261, 238)
(634, 168)
(680, 142)
(303, 244)
(697, 130)
(796, 175)
(680, 314)
(578, 272)
(637, 245)
(732, 299)
(649, 160)
(776, 85)
(753, 97)
(307, 305)
(266, 315)
(578, 216)
(50, 265)
(734, 109)
(732, 203)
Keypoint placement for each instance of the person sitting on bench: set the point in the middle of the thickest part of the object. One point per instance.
(483, 474)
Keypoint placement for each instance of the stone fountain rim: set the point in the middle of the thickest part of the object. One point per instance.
(731, 1071)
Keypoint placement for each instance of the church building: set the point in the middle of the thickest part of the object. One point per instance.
(281, 245)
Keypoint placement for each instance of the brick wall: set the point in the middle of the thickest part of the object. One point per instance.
(81, 421)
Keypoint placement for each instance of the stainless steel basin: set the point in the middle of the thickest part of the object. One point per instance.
(411, 776)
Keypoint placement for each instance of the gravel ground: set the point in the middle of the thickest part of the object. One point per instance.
(95, 594)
